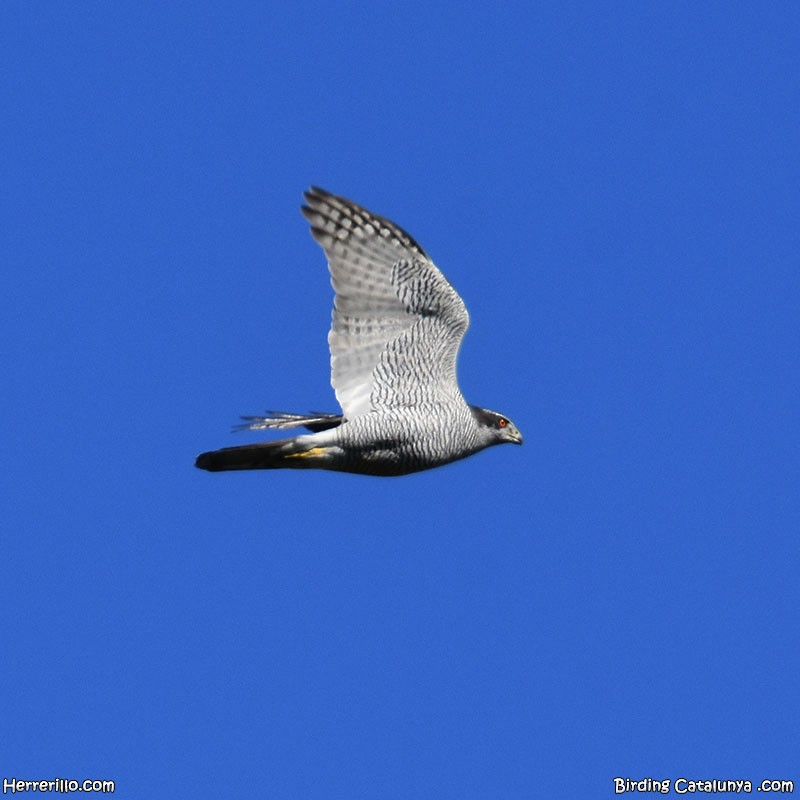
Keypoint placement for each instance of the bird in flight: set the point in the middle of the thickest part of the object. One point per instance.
(395, 334)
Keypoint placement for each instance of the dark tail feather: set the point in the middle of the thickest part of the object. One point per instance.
(264, 455)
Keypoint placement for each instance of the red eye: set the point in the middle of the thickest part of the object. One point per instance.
(502, 422)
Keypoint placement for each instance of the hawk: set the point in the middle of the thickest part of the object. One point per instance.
(396, 330)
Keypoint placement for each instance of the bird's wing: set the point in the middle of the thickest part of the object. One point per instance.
(397, 323)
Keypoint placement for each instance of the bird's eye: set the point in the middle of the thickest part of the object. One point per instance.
(502, 422)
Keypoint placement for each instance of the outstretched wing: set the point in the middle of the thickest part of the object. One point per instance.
(281, 420)
(397, 323)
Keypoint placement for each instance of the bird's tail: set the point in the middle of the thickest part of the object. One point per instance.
(300, 452)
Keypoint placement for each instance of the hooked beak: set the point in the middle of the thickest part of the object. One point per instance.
(515, 436)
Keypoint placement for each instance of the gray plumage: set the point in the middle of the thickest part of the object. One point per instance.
(395, 334)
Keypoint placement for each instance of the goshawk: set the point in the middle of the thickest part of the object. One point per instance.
(394, 339)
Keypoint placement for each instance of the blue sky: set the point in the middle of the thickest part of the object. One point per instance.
(613, 189)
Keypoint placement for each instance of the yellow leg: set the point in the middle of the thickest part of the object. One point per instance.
(314, 452)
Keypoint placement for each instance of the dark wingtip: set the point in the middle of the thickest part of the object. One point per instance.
(314, 193)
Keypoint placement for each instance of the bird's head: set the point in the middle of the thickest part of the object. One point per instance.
(496, 427)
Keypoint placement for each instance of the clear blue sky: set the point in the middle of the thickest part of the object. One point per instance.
(614, 189)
